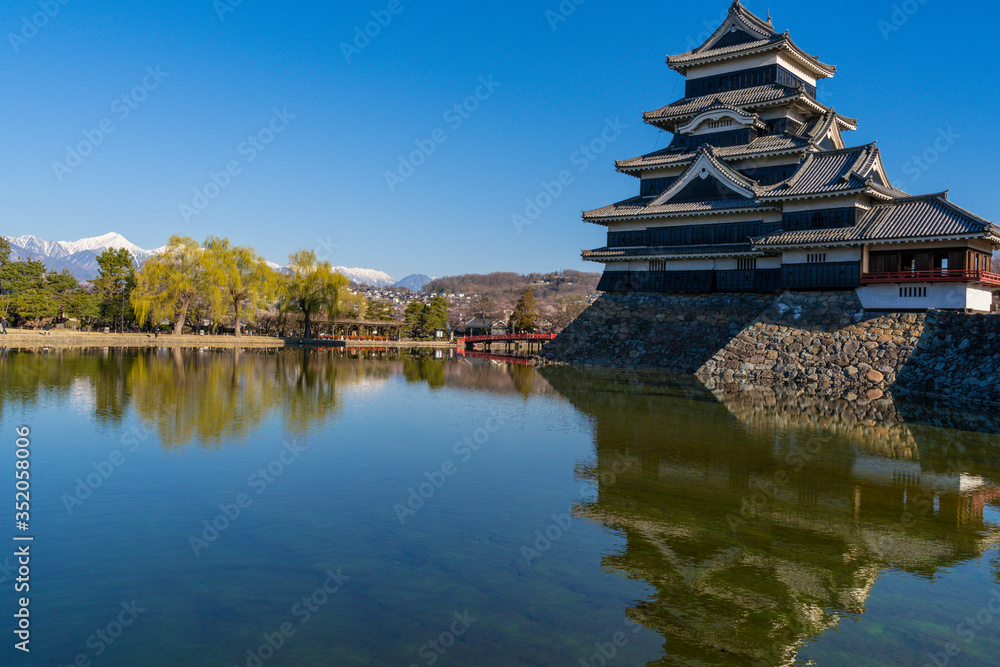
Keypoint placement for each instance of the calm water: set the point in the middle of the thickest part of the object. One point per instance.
(403, 510)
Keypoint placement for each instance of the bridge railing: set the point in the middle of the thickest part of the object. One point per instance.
(502, 338)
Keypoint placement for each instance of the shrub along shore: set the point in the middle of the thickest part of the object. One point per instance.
(71, 339)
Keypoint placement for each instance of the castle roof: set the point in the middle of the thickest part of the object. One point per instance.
(836, 172)
(744, 34)
(757, 97)
(760, 147)
(926, 217)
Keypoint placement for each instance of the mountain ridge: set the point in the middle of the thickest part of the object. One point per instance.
(80, 257)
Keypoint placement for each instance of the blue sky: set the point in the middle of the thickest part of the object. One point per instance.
(326, 131)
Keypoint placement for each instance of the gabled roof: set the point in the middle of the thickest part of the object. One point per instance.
(760, 147)
(708, 165)
(834, 173)
(925, 217)
(754, 36)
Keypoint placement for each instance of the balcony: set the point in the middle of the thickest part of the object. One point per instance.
(933, 276)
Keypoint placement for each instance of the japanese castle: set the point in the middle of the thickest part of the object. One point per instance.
(758, 192)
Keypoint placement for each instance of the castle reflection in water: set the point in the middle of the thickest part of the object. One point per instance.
(763, 516)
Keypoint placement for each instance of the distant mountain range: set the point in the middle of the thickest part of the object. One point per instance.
(80, 259)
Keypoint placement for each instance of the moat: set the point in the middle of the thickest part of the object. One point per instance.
(335, 508)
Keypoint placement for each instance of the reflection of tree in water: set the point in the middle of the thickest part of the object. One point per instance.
(760, 528)
(425, 368)
(212, 398)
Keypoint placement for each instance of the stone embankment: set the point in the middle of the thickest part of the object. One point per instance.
(824, 339)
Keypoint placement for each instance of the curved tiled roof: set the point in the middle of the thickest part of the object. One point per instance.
(732, 99)
(671, 251)
(775, 143)
(924, 217)
(829, 172)
(642, 206)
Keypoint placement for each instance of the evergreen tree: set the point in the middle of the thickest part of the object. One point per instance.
(379, 311)
(414, 319)
(525, 314)
(435, 316)
(115, 282)
(4, 250)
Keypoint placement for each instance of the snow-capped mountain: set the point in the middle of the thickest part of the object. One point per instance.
(78, 257)
(366, 276)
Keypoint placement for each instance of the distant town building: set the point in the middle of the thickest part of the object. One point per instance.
(758, 192)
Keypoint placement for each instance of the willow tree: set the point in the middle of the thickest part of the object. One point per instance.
(312, 287)
(170, 282)
(243, 281)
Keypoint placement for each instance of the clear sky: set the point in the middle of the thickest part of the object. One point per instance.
(200, 78)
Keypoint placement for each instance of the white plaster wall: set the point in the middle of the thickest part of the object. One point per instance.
(796, 205)
(943, 296)
(731, 263)
(677, 265)
(793, 67)
(735, 65)
(846, 254)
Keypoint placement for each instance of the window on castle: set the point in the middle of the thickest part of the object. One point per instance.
(658, 265)
(816, 258)
(818, 219)
(912, 292)
(747, 264)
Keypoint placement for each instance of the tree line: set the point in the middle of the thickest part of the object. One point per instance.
(229, 285)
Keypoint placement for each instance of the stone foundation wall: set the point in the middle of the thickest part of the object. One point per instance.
(958, 357)
(822, 338)
(815, 338)
(664, 332)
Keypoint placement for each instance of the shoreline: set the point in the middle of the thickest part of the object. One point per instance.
(68, 340)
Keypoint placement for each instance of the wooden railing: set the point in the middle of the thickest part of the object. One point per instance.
(933, 276)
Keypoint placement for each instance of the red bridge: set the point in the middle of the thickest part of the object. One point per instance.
(470, 342)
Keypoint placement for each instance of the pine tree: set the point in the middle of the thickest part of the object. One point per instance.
(525, 314)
